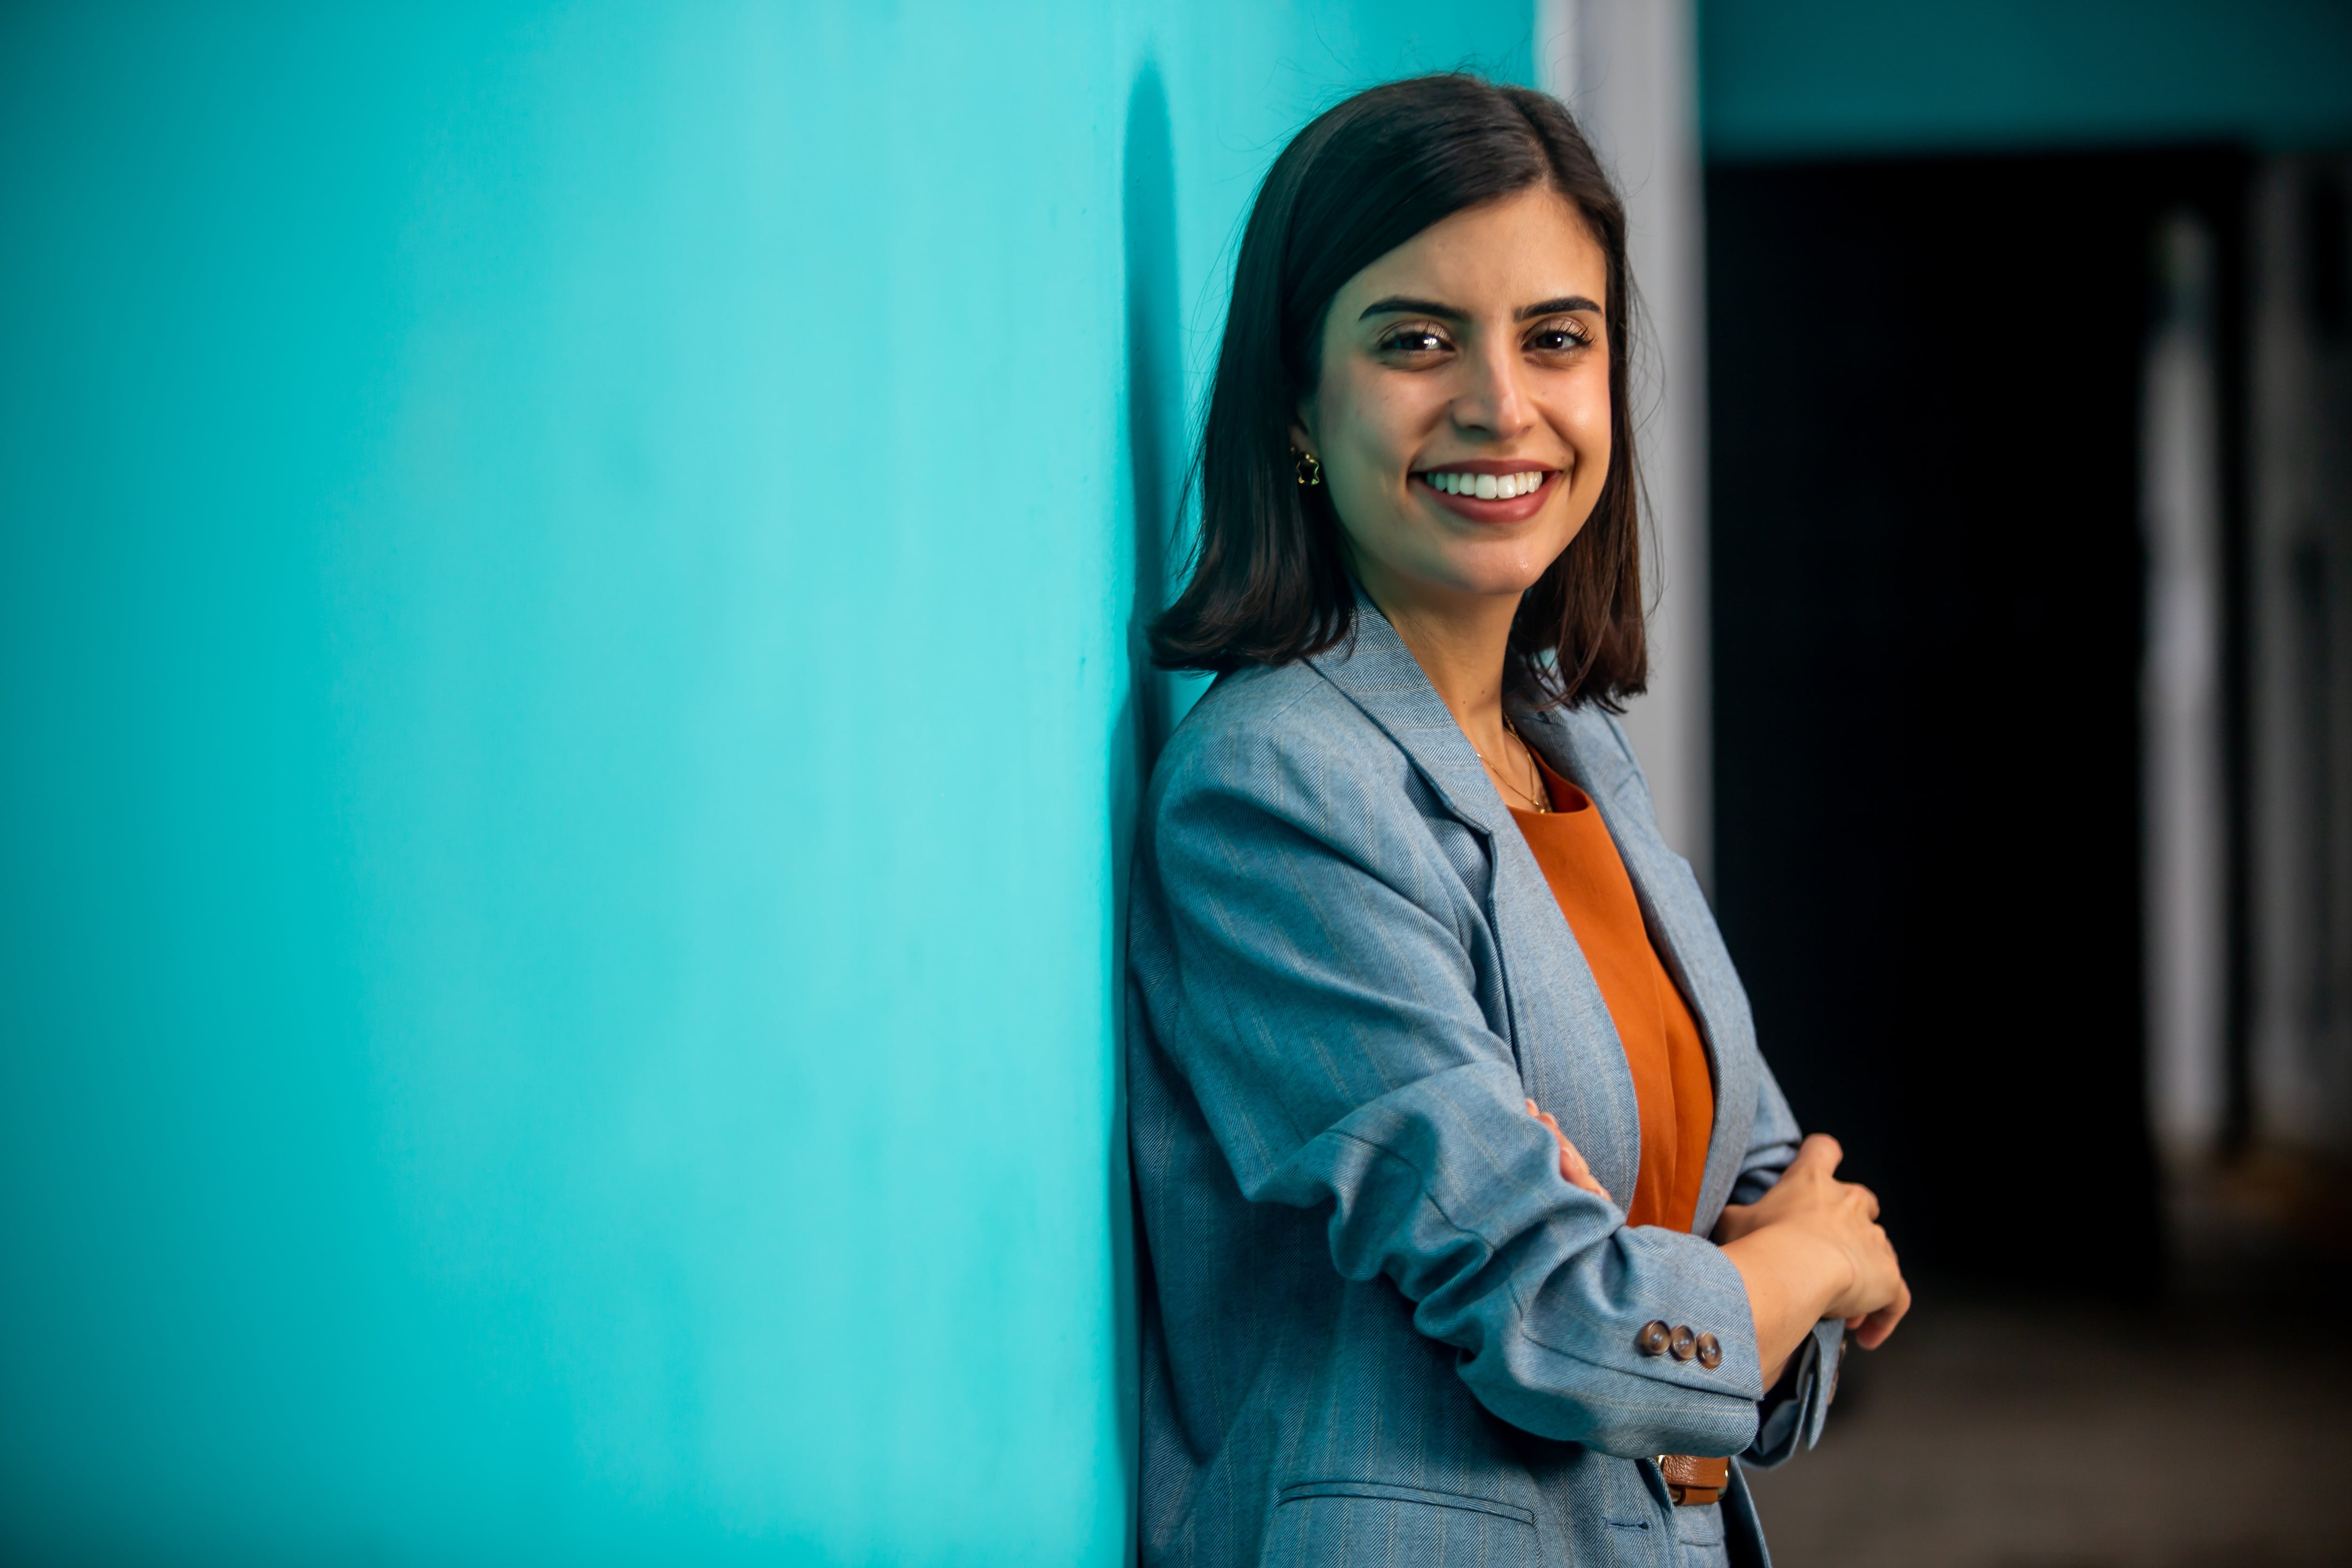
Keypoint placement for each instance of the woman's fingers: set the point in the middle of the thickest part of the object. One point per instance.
(1886, 1294)
(1579, 1174)
(1843, 1216)
(1872, 1329)
(1571, 1157)
(1818, 1149)
(1573, 1167)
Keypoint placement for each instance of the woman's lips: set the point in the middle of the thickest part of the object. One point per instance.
(1516, 508)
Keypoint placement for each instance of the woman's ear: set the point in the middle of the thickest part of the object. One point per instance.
(1302, 440)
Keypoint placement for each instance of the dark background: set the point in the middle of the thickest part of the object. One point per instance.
(1925, 383)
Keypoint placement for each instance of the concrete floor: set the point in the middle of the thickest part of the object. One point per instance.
(2006, 1437)
(2213, 1431)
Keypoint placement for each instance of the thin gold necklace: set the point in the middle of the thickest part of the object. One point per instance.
(1538, 798)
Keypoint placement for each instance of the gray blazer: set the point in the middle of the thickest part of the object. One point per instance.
(1378, 1325)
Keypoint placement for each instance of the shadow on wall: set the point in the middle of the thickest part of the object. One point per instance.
(1155, 435)
(1155, 396)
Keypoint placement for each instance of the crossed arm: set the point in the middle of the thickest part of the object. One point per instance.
(1810, 1248)
(1309, 978)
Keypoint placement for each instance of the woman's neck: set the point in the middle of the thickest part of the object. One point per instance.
(1460, 641)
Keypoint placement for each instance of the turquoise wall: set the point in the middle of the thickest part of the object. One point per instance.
(566, 588)
(1783, 78)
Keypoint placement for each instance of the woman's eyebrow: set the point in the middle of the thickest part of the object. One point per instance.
(1404, 303)
(1396, 302)
(1559, 307)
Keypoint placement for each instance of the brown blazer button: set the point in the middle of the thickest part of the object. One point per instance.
(1654, 1337)
(1684, 1344)
(1710, 1352)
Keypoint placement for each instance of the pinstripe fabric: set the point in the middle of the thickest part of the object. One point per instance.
(1378, 1325)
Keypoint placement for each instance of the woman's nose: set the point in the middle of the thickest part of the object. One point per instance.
(1495, 399)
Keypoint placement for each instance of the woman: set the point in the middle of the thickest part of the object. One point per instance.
(1441, 1078)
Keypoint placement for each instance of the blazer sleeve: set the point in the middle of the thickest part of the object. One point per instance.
(1792, 1414)
(1304, 968)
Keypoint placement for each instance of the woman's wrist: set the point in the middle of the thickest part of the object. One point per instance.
(1793, 1277)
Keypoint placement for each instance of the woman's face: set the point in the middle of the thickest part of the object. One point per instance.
(1469, 364)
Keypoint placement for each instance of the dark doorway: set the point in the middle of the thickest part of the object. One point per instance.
(1925, 389)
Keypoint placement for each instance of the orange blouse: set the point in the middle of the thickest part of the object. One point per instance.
(1672, 1084)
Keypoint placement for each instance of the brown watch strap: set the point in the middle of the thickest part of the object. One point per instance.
(1694, 1482)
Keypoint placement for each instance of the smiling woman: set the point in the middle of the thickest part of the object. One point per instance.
(1460, 373)
(1487, 194)
(1474, 1227)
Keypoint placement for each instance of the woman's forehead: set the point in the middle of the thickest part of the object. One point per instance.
(1503, 255)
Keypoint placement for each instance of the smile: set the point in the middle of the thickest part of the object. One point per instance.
(1486, 487)
(1478, 492)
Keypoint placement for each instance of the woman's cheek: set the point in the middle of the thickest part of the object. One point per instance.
(1590, 419)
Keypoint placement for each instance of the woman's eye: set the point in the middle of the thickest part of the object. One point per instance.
(1560, 339)
(1413, 341)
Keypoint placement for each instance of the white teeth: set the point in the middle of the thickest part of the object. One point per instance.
(1488, 487)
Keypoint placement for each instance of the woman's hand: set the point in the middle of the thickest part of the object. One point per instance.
(1812, 1248)
(1572, 1168)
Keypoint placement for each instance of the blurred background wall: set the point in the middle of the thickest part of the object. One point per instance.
(2028, 489)
(2029, 448)
(567, 605)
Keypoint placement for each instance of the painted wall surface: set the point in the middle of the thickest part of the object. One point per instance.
(1785, 78)
(566, 593)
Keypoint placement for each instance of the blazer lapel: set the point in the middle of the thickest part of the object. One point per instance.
(1590, 751)
(1559, 1026)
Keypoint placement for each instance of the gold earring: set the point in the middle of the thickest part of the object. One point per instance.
(1310, 470)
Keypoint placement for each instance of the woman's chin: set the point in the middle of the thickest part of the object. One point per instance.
(1492, 572)
(1448, 595)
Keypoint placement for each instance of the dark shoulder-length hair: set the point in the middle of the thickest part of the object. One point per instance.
(1270, 582)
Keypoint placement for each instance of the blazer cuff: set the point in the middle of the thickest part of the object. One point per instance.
(1792, 1414)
